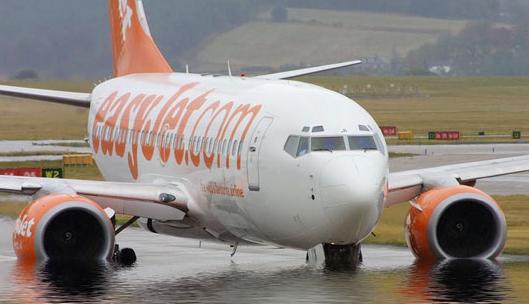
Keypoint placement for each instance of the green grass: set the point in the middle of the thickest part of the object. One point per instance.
(495, 105)
(321, 37)
(390, 230)
(398, 154)
(24, 119)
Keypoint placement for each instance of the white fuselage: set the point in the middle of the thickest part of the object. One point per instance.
(225, 139)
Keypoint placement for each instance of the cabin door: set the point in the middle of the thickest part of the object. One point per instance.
(254, 149)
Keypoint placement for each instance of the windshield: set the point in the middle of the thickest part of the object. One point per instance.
(298, 146)
(362, 143)
(335, 143)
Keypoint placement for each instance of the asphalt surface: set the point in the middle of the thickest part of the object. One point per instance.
(174, 270)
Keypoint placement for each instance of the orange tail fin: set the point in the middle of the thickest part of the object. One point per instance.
(133, 49)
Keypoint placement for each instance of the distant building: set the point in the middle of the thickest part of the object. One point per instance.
(441, 69)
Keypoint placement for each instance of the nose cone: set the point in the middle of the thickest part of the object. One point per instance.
(352, 196)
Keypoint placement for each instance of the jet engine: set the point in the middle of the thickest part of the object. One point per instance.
(455, 222)
(63, 227)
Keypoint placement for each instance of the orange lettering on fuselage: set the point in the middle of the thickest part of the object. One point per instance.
(100, 118)
(109, 128)
(122, 123)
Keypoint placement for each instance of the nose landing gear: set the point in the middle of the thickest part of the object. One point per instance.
(333, 257)
(342, 256)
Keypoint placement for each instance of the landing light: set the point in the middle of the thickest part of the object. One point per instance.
(167, 198)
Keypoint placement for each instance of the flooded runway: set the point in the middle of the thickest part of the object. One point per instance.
(172, 270)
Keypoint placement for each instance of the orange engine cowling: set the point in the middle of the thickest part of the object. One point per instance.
(69, 227)
(455, 222)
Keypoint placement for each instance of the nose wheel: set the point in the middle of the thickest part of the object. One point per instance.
(342, 256)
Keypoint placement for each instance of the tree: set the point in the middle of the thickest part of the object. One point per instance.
(25, 74)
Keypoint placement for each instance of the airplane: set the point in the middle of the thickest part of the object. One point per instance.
(241, 160)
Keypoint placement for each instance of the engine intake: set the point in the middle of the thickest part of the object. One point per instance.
(456, 222)
(63, 227)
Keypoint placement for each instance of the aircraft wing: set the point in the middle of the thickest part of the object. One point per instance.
(406, 185)
(62, 97)
(307, 71)
(161, 201)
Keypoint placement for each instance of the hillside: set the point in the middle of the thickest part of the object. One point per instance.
(321, 36)
(70, 38)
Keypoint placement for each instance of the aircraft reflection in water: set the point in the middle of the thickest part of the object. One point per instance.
(450, 281)
(59, 282)
(468, 281)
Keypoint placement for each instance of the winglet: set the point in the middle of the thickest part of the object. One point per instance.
(133, 49)
(307, 71)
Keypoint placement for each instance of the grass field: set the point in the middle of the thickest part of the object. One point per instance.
(319, 36)
(495, 105)
(21, 119)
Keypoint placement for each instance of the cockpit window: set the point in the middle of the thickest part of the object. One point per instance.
(334, 143)
(297, 146)
(362, 143)
(303, 148)
(380, 144)
(291, 146)
(363, 128)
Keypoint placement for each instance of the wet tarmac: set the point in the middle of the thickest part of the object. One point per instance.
(173, 270)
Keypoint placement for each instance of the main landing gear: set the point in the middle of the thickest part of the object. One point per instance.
(125, 256)
(346, 257)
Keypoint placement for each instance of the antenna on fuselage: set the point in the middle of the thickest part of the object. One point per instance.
(229, 68)
(187, 68)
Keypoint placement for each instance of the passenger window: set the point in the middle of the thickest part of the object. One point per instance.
(240, 147)
(211, 145)
(303, 147)
(234, 148)
(334, 143)
(227, 151)
(362, 143)
(291, 146)
(224, 147)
